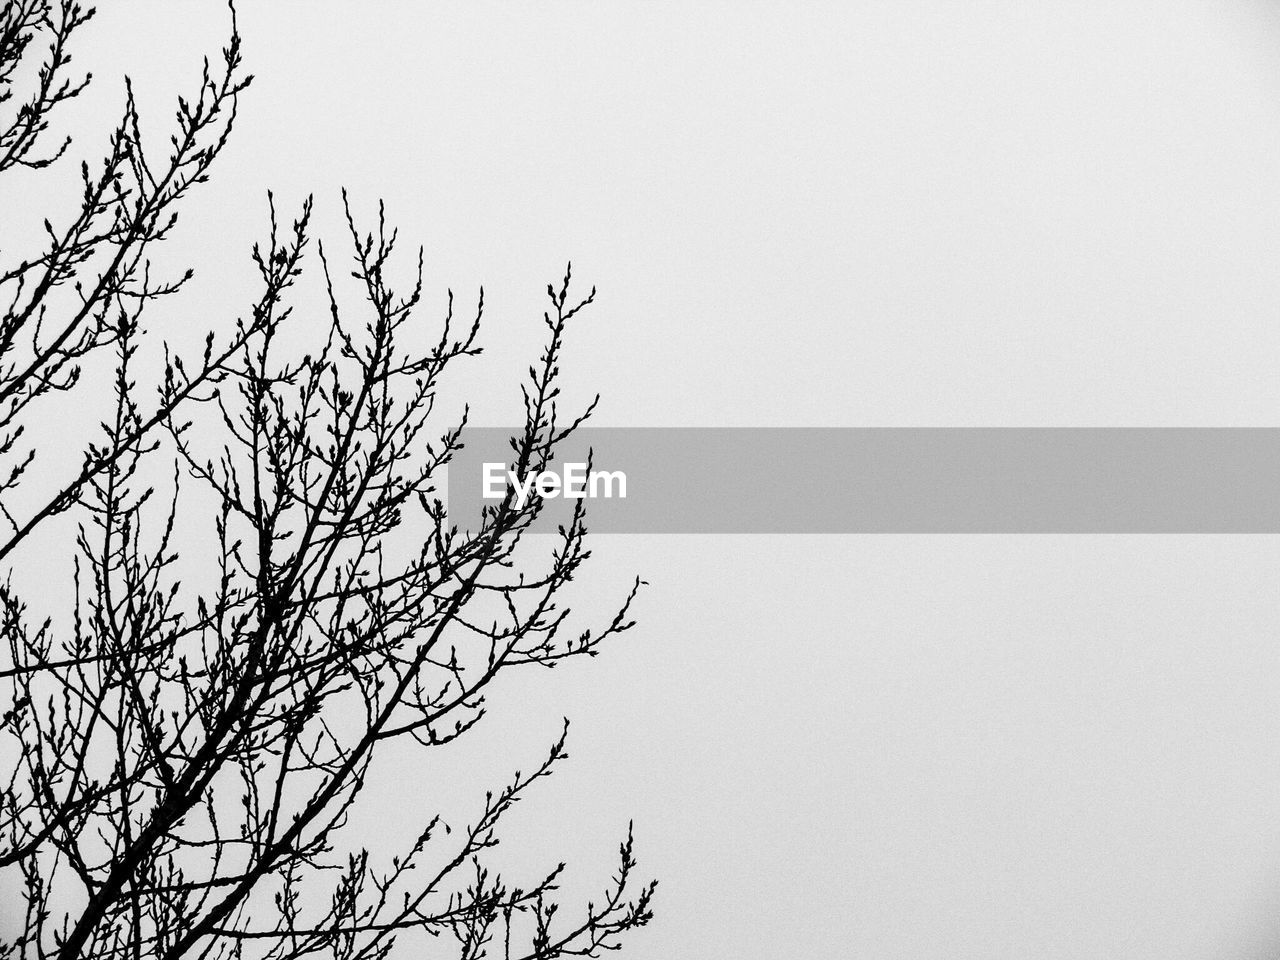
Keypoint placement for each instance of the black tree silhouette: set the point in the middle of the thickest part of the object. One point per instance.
(182, 758)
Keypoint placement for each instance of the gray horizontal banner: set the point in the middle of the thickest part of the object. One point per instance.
(892, 480)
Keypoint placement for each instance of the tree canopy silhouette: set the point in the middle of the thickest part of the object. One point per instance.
(180, 758)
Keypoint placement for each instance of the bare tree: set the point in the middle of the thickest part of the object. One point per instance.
(181, 758)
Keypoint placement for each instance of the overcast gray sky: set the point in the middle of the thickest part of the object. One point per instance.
(971, 212)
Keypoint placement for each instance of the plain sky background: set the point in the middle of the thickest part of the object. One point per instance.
(988, 212)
